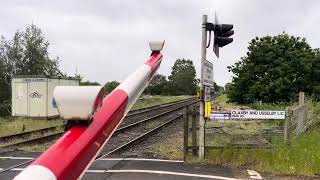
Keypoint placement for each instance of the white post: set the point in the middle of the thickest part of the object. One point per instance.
(201, 119)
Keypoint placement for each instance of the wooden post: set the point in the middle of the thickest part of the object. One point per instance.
(301, 113)
(185, 135)
(286, 125)
(301, 98)
(194, 131)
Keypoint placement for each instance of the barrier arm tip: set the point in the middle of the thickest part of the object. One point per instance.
(156, 46)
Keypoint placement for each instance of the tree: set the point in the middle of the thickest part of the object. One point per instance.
(158, 85)
(182, 80)
(89, 83)
(217, 89)
(275, 69)
(26, 54)
(110, 86)
(227, 86)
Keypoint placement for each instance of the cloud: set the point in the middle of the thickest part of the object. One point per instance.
(106, 40)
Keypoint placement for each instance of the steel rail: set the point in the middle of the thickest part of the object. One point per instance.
(138, 138)
(29, 133)
(120, 130)
(156, 107)
(55, 135)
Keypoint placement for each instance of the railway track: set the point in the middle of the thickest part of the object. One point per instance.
(127, 135)
(27, 134)
(132, 119)
(155, 107)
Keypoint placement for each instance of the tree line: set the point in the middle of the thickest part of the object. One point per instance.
(181, 81)
(274, 70)
(27, 54)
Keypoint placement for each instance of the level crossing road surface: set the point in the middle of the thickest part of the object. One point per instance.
(127, 168)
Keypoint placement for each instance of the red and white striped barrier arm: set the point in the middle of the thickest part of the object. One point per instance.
(74, 152)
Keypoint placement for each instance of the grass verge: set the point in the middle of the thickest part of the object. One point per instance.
(11, 126)
(302, 157)
(156, 100)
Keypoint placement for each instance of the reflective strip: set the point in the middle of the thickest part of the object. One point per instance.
(154, 63)
(36, 172)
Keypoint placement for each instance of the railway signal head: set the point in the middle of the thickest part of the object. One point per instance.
(222, 33)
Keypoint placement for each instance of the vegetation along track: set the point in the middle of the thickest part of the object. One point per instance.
(133, 118)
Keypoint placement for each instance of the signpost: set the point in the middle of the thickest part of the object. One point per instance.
(256, 114)
(248, 114)
(207, 93)
(207, 73)
(220, 116)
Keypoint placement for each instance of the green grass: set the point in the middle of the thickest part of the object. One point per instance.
(222, 101)
(302, 157)
(33, 136)
(13, 126)
(156, 100)
(242, 133)
(269, 106)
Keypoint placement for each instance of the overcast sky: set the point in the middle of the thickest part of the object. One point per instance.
(106, 40)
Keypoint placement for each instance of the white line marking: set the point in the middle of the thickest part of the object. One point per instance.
(150, 172)
(171, 173)
(139, 159)
(103, 159)
(12, 157)
(254, 174)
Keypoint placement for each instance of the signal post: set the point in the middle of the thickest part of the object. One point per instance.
(222, 33)
(201, 117)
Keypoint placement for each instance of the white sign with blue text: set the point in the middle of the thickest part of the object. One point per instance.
(257, 114)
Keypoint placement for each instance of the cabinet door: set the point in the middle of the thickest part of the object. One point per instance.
(20, 102)
(37, 99)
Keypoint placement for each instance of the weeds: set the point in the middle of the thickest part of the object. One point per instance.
(14, 126)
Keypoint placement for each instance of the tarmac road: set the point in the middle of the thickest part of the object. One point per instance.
(128, 168)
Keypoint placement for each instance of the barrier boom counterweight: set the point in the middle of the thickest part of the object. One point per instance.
(74, 152)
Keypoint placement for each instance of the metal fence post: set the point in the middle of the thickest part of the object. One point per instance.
(286, 125)
(301, 113)
(185, 135)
